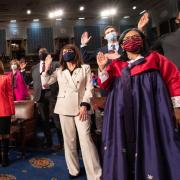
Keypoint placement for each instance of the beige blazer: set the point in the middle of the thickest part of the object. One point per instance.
(73, 89)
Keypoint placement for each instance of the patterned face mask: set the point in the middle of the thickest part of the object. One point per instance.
(133, 44)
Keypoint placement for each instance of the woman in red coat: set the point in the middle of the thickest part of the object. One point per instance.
(6, 110)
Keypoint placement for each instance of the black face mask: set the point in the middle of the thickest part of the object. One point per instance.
(69, 56)
(42, 56)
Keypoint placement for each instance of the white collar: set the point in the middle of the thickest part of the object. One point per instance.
(41, 61)
(137, 58)
(116, 43)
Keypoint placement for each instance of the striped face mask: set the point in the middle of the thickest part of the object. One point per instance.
(133, 44)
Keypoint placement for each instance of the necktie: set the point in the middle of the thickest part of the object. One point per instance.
(113, 47)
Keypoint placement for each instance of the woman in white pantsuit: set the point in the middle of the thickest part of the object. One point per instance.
(73, 103)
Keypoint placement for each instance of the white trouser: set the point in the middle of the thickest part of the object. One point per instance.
(69, 125)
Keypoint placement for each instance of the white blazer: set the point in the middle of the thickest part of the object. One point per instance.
(73, 89)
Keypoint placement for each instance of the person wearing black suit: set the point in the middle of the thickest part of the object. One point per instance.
(55, 117)
(111, 35)
(43, 95)
(23, 64)
(169, 44)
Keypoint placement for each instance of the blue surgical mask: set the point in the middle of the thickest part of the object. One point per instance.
(69, 56)
(112, 36)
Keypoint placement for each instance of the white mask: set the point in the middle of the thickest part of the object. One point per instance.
(13, 66)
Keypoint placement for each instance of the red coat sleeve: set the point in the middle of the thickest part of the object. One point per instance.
(10, 94)
(170, 74)
(105, 78)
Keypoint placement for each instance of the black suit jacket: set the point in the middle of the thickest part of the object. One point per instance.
(24, 75)
(87, 57)
(36, 77)
(169, 45)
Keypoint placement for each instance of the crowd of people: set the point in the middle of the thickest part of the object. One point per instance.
(141, 111)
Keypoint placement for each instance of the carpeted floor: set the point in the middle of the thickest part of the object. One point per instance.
(38, 165)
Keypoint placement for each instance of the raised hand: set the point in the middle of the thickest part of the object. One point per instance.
(85, 38)
(48, 62)
(101, 60)
(112, 56)
(143, 21)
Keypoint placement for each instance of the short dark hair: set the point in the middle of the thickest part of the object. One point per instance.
(109, 26)
(78, 59)
(144, 51)
(43, 50)
(1, 68)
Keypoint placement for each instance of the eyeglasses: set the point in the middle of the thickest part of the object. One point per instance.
(131, 37)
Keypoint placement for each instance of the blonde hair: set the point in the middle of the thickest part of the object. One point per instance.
(14, 61)
(1, 67)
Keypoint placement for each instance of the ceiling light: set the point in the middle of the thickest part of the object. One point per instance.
(142, 12)
(126, 17)
(28, 11)
(13, 21)
(58, 19)
(80, 18)
(35, 20)
(51, 15)
(104, 17)
(81, 8)
(112, 11)
(108, 12)
(134, 7)
(104, 13)
(55, 14)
